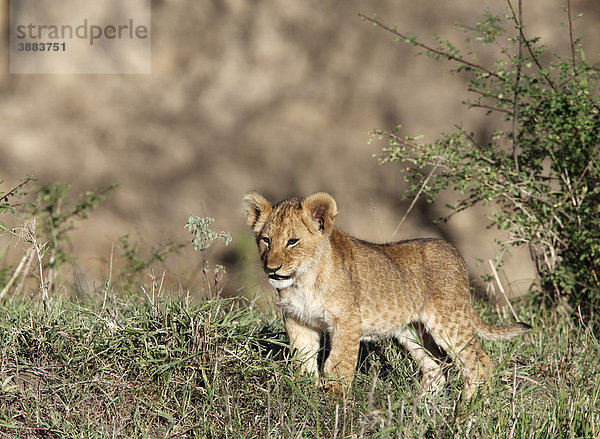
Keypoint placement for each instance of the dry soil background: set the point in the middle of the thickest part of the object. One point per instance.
(266, 95)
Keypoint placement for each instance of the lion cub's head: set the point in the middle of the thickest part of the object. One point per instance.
(290, 233)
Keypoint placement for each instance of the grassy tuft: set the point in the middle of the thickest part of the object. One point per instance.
(218, 368)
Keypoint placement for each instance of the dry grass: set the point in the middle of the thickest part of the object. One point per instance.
(170, 368)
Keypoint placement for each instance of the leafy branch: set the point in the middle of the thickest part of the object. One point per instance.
(429, 49)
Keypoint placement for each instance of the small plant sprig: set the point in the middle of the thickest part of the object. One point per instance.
(47, 217)
(203, 239)
(9, 202)
(56, 217)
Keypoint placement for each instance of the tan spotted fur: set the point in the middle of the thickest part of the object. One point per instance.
(328, 281)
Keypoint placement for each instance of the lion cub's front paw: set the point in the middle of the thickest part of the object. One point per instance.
(432, 381)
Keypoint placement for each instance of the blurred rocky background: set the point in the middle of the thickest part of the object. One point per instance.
(273, 96)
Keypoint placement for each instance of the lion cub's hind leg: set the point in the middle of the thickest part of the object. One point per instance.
(433, 375)
(466, 352)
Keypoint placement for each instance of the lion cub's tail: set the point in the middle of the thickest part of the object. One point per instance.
(491, 332)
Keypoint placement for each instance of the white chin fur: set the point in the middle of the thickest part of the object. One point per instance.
(280, 284)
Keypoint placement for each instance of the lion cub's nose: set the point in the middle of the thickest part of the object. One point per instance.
(270, 270)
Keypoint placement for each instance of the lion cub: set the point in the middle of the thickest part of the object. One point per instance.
(356, 290)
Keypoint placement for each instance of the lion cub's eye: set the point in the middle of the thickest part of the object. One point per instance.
(266, 240)
(292, 242)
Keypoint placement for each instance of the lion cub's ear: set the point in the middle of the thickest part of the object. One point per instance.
(322, 210)
(257, 210)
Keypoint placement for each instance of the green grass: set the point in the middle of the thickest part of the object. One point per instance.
(218, 368)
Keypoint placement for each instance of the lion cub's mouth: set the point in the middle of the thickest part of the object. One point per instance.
(280, 277)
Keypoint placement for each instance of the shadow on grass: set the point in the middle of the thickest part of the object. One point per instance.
(271, 342)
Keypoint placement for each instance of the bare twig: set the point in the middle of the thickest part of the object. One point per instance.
(108, 284)
(485, 94)
(570, 21)
(30, 235)
(15, 274)
(446, 55)
(25, 273)
(529, 49)
(337, 416)
(414, 201)
(489, 107)
(546, 202)
(495, 273)
(573, 63)
(515, 114)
